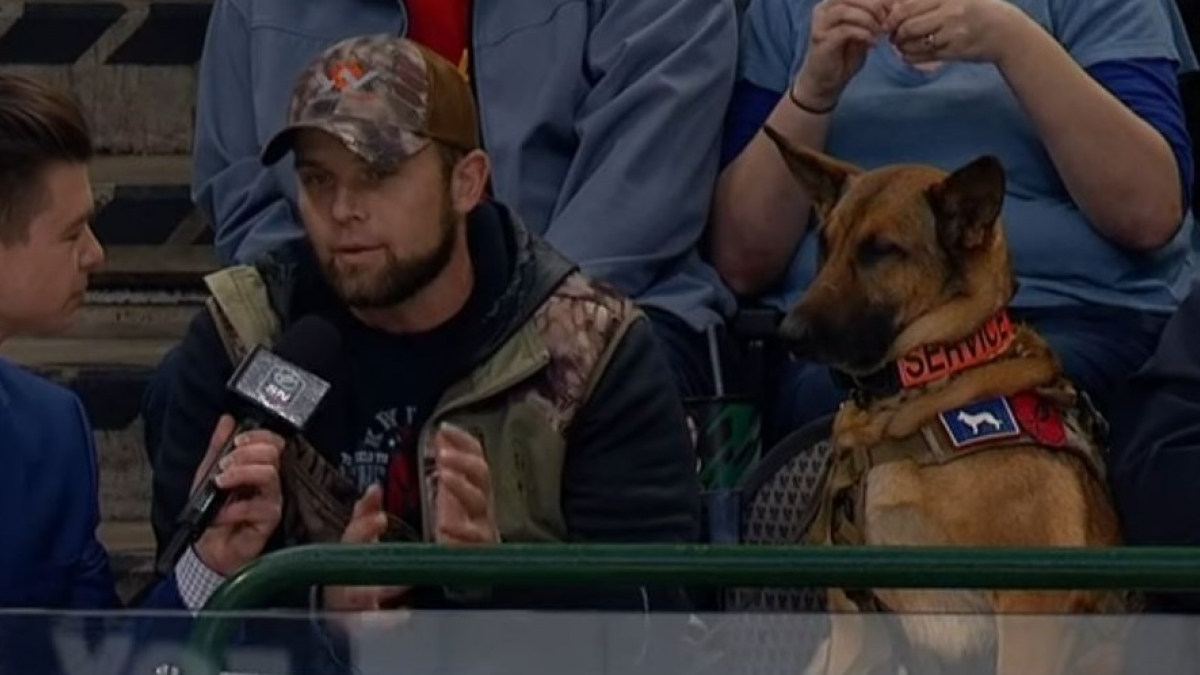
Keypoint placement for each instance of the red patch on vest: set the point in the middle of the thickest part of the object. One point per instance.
(1040, 419)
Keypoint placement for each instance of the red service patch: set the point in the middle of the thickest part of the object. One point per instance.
(1040, 419)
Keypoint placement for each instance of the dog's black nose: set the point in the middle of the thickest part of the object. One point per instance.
(793, 326)
(796, 331)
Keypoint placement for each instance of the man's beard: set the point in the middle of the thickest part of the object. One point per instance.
(399, 280)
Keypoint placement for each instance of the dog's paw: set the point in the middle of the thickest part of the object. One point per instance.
(860, 430)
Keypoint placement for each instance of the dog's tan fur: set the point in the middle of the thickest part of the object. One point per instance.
(914, 256)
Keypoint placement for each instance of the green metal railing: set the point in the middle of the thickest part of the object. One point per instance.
(1157, 569)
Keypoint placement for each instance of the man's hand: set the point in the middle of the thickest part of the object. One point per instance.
(240, 531)
(367, 525)
(464, 511)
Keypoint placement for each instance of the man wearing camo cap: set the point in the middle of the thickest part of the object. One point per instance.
(385, 98)
(491, 393)
(602, 119)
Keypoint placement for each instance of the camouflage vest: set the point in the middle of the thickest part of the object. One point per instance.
(519, 403)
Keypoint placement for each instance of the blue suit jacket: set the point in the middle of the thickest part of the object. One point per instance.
(50, 557)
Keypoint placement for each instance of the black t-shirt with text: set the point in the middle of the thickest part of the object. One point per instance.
(397, 380)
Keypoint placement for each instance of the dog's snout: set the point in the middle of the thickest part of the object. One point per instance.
(794, 326)
(855, 336)
(796, 330)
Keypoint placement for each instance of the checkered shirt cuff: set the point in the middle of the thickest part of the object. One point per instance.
(195, 580)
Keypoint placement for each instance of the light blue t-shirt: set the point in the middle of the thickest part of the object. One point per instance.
(892, 113)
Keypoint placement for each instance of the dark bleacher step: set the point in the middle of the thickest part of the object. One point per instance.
(109, 376)
(157, 33)
(154, 236)
(129, 315)
(146, 201)
(155, 269)
(130, 63)
(109, 355)
(66, 355)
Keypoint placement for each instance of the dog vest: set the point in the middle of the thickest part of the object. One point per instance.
(1023, 419)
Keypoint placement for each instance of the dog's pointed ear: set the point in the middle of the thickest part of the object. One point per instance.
(967, 203)
(822, 177)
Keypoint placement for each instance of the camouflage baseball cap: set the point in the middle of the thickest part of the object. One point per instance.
(385, 97)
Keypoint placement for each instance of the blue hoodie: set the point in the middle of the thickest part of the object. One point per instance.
(602, 119)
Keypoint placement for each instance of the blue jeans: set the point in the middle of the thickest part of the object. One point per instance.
(1099, 348)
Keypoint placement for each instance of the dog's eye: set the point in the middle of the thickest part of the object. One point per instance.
(877, 249)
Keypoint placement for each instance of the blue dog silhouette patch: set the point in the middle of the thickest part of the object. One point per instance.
(980, 422)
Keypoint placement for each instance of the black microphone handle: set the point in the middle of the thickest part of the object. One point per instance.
(203, 506)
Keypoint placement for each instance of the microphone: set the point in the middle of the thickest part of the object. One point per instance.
(278, 390)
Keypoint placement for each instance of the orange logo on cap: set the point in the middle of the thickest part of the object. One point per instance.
(346, 74)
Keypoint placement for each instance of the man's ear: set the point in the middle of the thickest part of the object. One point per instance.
(468, 181)
(967, 204)
(822, 177)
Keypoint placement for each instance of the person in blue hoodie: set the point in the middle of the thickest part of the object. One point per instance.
(50, 556)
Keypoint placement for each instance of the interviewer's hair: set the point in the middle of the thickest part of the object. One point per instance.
(39, 126)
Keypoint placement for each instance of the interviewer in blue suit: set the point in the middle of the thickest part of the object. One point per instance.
(50, 557)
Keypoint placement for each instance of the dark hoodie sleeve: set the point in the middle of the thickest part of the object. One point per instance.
(630, 474)
(197, 401)
(1155, 463)
(629, 477)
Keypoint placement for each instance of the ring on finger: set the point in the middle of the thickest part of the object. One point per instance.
(930, 42)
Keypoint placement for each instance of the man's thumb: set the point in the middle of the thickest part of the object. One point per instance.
(369, 521)
(221, 433)
(225, 427)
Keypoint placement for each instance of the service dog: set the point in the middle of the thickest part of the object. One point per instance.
(961, 429)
